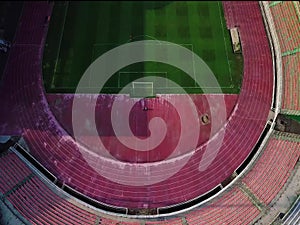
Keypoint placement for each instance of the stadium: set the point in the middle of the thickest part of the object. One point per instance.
(158, 112)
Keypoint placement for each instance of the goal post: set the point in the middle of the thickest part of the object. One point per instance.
(142, 90)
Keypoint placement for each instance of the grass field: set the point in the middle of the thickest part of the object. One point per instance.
(297, 118)
(79, 32)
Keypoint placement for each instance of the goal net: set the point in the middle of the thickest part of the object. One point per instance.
(142, 90)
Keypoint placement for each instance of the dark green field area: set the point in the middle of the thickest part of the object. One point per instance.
(297, 118)
(80, 32)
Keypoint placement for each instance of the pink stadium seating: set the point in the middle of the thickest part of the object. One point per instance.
(233, 208)
(272, 170)
(11, 172)
(34, 200)
(291, 87)
(287, 25)
(288, 29)
(37, 203)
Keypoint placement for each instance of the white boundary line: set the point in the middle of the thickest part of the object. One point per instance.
(92, 87)
(101, 44)
(225, 47)
(59, 45)
(194, 65)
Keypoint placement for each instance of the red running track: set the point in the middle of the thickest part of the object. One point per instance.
(61, 106)
(58, 152)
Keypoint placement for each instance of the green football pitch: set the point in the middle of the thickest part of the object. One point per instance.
(297, 118)
(80, 32)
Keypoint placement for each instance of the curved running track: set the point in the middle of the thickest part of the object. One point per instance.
(24, 99)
